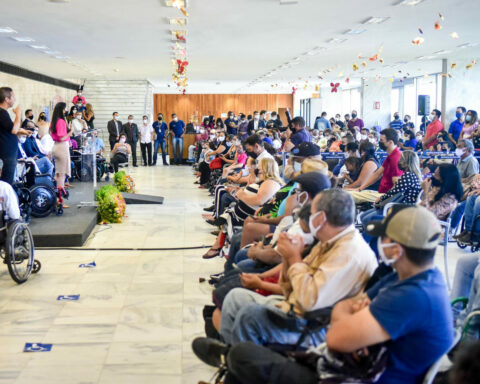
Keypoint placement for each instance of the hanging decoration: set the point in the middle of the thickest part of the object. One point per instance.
(334, 87)
(179, 49)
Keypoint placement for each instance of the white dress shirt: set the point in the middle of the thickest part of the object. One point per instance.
(146, 133)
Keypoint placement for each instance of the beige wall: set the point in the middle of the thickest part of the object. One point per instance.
(35, 95)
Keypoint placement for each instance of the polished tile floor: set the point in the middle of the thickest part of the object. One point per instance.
(138, 310)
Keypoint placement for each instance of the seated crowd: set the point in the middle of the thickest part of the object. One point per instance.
(329, 236)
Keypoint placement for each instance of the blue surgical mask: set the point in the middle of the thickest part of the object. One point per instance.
(459, 115)
(468, 118)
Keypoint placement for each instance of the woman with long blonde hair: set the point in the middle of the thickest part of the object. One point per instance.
(89, 115)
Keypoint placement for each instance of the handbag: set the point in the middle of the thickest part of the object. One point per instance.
(216, 163)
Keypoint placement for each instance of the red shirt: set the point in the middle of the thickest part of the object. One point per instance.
(432, 130)
(390, 169)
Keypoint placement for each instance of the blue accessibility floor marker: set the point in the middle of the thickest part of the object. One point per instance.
(37, 347)
(68, 297)
(89, 265)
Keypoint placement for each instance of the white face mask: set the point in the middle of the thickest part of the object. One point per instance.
(221, 138)
(79, 94)
(307, 238)
(314, 230)
(79, 117)
(363, 137)
(22, 139)
(175, 119)
(432, 116)
(145, 121)
(212, 137)
(372, 140)
(381, 252)
(122, 140)
(79, 106)
(256, 117)
(202, 131)
(301, 197)
(130, 121)
(343, 134)
(297, 167)
(459, 152)
(115, 117)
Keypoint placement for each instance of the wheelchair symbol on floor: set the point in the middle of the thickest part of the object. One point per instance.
(37, 347)
(68, 297)
(89, 265)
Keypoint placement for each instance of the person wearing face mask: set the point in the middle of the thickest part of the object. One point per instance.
(456, 126)
(28, 117)
(471, 125)
(467, 164)
(297, 135)
(31, 149)
(355, 121)
(78, 98)
(341, 251)
(385, 173)
(42, 124)
(89, 116)
(205, 167)
(274, 121)
(409, 141)
(321, 122)
(131, 131)
(231, 123)
(78, 125)
(433, 129)
(243, 126)
(396, 123)
(177, 127)
(298, 155)
(442, 191)
(407, 123)
(254, 124)
(146, 140)
(121, 151)
(160, 127)
(363, 134)
(114, 128)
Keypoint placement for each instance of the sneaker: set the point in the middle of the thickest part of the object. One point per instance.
(210, 351)
(209, 209)
(466, 238)
(461, 234)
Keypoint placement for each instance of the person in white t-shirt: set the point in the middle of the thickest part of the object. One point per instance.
(8, 199)
(146, 139)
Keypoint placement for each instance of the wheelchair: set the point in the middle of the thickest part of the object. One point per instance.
(84, 172)
(36, 193)
(17, 249)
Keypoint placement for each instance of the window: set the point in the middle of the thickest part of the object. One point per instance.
(351, 99)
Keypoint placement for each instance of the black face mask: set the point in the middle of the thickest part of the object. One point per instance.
(402, 167)
(436, 183)
(354, 115)
(405, 120)
(256, 172)
(30, 117)
(160, 118)
(253, 155)
(342, 147)
(396, 117)
(382, 146)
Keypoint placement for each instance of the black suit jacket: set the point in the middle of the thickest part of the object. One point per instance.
(131, 132)
(112, 130)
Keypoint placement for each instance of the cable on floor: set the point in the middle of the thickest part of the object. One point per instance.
(120, 249)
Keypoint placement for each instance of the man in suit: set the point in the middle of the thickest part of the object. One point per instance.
(131, 131)
(114, 128)
(254, 124)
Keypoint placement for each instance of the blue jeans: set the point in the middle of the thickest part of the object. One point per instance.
(177, 155)
(457, 214)
(235, 243)
(251, 266)
(160, 144)
(464, 272)
(472, 210)
(45, 165)
(245, 317)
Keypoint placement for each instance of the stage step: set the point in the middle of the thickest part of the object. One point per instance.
(136, 198)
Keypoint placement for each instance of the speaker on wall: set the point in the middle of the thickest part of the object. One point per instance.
(423, 105)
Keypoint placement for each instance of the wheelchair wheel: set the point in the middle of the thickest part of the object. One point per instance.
(461, 245)
(20, 251)
(44, 200)
(100, 171)
(36, 266)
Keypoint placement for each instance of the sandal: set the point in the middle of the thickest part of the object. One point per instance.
(212, 252)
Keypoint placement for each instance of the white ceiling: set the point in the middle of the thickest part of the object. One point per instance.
(234, 42)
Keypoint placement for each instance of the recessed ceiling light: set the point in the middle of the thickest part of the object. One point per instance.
(7, 30)
(408, 2)
(375, 20)
(39, 46)
(53, 53)
(353, 31)
(336, 40)
(116, 70)
(23, 39)
(468, 45)
(442, 52)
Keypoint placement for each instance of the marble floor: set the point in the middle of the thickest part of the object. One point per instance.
(138, 310)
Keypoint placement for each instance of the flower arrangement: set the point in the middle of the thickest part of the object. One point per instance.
(124, 182)
(111, 205)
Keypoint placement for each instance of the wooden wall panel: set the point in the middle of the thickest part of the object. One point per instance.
(215, 104)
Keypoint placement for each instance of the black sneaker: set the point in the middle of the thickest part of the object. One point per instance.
(466, 238)
(461, 234)
(209, 209)
(210, 351)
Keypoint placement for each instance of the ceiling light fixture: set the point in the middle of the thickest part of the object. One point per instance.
(375, 20)
(442, 52)
(288, 2)
(62, 57)
(467, 45)
(23, 39)
(336, 40)
(52, 53)
(353, 31)
(408, 2)
(7, 30)
(43, 47)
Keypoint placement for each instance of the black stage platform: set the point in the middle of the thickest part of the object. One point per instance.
(75, 225)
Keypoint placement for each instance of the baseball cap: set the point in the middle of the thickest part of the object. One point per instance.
(313, 182)
(305, 149)
(414, 227)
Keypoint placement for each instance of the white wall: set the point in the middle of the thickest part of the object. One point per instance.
(35, 95)
(376, 91)
(127, 97)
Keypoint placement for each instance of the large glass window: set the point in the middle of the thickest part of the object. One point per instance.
(351, 99)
